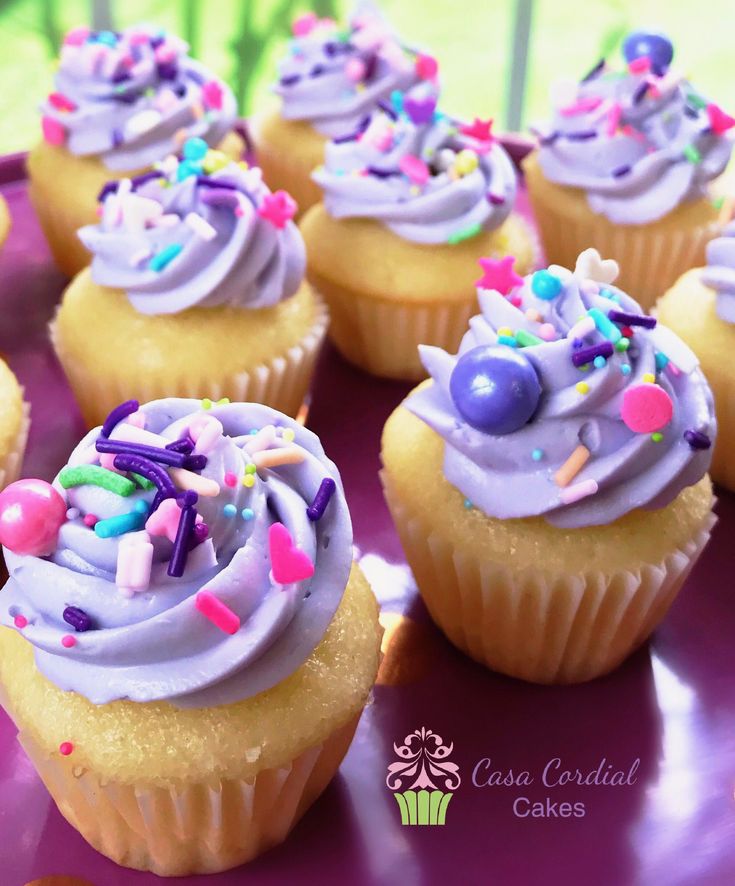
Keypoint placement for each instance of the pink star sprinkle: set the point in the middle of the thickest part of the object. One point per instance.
(212, 94)
(479, 129)
(719, 120)
(278, 208)
(498, 274)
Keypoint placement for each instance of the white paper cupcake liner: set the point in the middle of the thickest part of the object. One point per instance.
(527, 624)
(282, 383)
(185, 829)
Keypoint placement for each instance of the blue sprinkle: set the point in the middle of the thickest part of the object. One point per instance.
(229, 510)
(605, 325)
(247, 513)
(545, 285)
(396, 99)
(166, 255)
(122, 523)
(537, 454)
(467, 503)
(507, 340)
(661, 361)
(195, 149)
(186, 169)
(106, 37)
(253, 431)
(600, 361)
(625, 368)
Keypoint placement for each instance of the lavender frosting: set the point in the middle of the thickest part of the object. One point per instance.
(206, 240)
(126, 97)
(418, 173)
(638, 144)
(156, 644)
(333, 78)
(720, 272)
(512, 475)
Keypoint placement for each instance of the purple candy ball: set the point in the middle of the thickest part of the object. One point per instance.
(657, 47)
(495, 389)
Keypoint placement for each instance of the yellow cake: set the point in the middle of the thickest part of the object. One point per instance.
(14, 425)
(4, 220)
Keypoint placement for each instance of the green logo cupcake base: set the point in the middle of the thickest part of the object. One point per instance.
(423, 807)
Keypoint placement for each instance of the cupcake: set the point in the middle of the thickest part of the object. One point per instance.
(190, 645)
(549, 482)
(4, 220)
(625, 167)
(195, 288)
(121, 102)
(410, 205)
(14, 425)
(700, 308)
(331, 80)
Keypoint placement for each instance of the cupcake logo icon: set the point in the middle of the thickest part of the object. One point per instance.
(423, 779)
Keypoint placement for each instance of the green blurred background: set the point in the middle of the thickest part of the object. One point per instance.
(243, 39)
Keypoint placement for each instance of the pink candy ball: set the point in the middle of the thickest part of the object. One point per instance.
(31, 514)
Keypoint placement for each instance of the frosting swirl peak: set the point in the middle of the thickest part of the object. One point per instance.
(187, 568)
(179, 237)
(566, 401)
(127, 96)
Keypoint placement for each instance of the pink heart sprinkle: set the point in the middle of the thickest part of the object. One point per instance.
(415, 168)
(289, 564)
(53, 131)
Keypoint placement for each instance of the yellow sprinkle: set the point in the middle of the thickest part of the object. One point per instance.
(214, 160)
(248, 480)
(288, 434)
(414, 190)
(649, 378)
(505, 330)
(207, 403)
(582, 387)
(286, 455)
(223, 401)
(465, 162)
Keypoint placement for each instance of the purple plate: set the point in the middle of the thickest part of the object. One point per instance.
(665, 719)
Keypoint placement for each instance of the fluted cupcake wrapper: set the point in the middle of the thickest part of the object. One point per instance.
(189, 828)
(12, 462)
(528, 624)
(282, 383)
(650, 259)
(382, 335)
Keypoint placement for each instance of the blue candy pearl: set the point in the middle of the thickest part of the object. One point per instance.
(495, 389)
(187, 168)
(195, 149)
(545, 285)
(657, 47)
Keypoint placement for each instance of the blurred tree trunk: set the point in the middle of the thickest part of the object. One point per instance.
(50, 26)
(101, 15)
(190, 27)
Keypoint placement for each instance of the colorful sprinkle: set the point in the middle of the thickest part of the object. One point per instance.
(134, 563)
(572, 494)
(527, 339)
(646, 408)
(180, 551)
(537, 454)
(93, 475)
(67, 641)
(572, 466)
(248, 480)
(547, 332)
(587, 355)
(53, 132)
(498, 274)
(77, 618)
(582, 387)
(696, 439)
(605, 326)
(200, 226)
(657, 437)
(465, 234)
(286, 455)
(122, 523)
(230, 479)
(632, 319)
(217, 612)
(66, 748)
(20, 621)
(278, 208)
(229, 510)
(247, 513)
(90, 520)
(414, 169)
(622, 344)
(289, 564)
(692, 154)
(546, 285)
(326, 490)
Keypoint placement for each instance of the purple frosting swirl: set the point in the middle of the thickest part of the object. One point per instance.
(513, 475)
(127, 97)
(417, 173)
(202, 240)
(638, 144)
(156, 644)
(720, 272)
(333, 78)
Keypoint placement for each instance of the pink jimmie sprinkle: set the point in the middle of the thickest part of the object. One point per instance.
(20, 621)
(76, 36)
(613, 118)
(640, 65)
(212, 94)
(67, 641)
(61, 102)
(578, 491)
(65, 748)
(414, 168)
(90, 520)
(583, 106)
(53, 131)
(230, 479)
(216, 611)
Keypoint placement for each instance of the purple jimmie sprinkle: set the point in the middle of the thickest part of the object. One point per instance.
(387, 109)
(206, 182)
(144, 177)
(696, 439)
(187, 520)
(582, 136)
(77, 618)
(290, 80)
(107, 189)
(326, 490)
(220, 197)
(381, 173)
(632, 319)
(640, 92)
(352, 136)
(117, 137)
(151, 471)
(117, 415)
(195, 462)
(161, 456)
(620, 171)
(317, 70)
(586, 355)
(198, 535)
(495, 199)
(183, 444)
(195, 76)
(594, 72)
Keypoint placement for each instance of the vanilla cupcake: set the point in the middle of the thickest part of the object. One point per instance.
(410, 205)
(625, 167)
(700, 307)
(196, 288)
(188, 645)
(549, 483)
(121, 102)
(14, 425)
(330, 81)
(4, 220)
